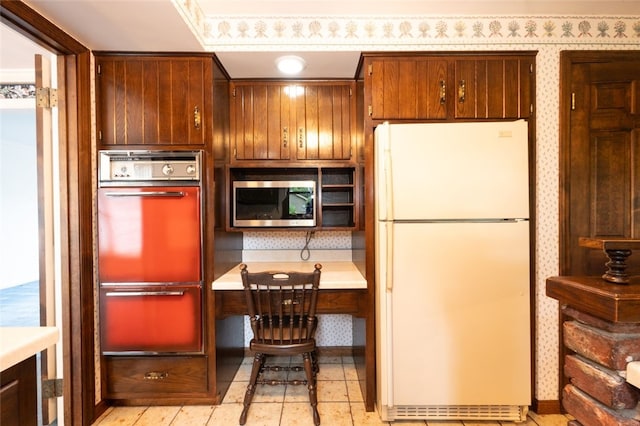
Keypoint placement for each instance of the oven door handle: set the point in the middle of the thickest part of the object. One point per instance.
(146, 194)
(144, 293)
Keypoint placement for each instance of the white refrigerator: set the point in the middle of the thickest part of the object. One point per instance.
(452, 271)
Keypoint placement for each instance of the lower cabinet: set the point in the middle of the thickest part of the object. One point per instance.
(18, 404)
(141, 377)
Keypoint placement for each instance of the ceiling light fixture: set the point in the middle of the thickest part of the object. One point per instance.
(290, 64)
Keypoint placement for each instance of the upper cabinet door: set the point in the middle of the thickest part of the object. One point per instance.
(325, 117)
(145, 100)
(260, 121)
(292, 120)
(449, 86)
(493, 88)
(408, 88)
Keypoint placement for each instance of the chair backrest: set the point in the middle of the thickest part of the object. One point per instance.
(281, 305)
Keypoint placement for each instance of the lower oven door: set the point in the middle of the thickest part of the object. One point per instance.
(151, 318)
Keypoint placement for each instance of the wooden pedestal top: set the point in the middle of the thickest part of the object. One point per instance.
(609, 243)
(617, 250)
(593, 295)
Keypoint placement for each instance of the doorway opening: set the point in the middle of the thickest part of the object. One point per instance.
(30, 253)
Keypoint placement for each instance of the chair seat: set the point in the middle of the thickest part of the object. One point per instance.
(283, 349)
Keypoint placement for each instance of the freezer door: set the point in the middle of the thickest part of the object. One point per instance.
(452, 170)
(458, 315)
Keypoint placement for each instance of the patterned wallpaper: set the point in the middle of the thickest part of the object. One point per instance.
(364, 32)
(549, 35)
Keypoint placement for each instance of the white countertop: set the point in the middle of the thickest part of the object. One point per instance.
(633, 373)
(334, 275)
(20, 343)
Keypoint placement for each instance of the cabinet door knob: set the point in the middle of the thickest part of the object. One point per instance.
(443, 92)
(285, 137)
(196, 117)
(301, 137)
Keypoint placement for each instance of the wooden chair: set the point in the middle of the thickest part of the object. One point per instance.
(282, 311)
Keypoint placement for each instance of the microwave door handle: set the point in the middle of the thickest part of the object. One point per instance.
(146, 194)
(144, 293)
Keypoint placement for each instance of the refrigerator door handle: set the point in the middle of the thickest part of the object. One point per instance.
(389, 260)
(388, 182)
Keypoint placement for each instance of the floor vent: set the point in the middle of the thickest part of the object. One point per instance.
(512, 413)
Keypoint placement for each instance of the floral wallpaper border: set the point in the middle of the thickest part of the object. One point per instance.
(342, 33)
(17, 91)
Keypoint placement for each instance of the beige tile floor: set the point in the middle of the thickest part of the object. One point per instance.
(340, 403)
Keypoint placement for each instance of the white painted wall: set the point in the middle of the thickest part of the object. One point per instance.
(18, 197)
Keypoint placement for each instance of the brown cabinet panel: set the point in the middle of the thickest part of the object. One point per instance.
(452, 86)
(493, 88)
(18, 388)
(282, 121)
(155, 377)
(324, 122)
(232, 302)
(260, 122)
(154, 100)
(408, 88)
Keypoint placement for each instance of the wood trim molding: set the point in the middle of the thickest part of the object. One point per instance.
(76, 195)
(34, 26)
(546, 407)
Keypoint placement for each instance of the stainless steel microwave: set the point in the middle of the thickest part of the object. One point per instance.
(274, 203)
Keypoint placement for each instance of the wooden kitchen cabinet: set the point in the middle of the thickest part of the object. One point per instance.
(407, 87)
(292, 120)
(427, 86)
(338, 206)
(493, 87)
(18, 386)
(154, 100)
(337, 198)
(152, 377)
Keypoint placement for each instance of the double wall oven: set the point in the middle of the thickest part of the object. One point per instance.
(150, 252)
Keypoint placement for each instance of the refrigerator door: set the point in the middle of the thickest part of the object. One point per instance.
(435, 171)
(456, 320)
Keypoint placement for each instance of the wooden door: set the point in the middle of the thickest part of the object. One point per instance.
(600, 156)
(493, 88)
(324, 122)
(261, 127)
(407, 88)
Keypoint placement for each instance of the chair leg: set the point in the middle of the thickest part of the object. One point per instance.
(314, 362)
(258, 361)
(311, 385)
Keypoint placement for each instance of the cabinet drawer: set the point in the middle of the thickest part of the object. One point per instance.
(151, 376)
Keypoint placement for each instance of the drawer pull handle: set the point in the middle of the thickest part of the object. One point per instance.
(144, 293)
(156, 375)
(178, 194)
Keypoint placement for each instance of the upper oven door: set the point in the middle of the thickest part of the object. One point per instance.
(149, 234)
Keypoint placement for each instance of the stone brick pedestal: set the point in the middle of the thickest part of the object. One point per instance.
(601, 334)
